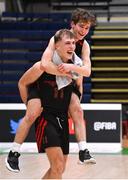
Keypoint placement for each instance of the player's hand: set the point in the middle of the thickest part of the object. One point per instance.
(64, 68)
(68, 74)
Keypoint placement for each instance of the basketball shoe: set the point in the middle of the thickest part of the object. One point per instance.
(12, 162)
(85, 157)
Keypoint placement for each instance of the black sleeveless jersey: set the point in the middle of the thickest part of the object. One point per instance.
(53, 100)
(79, 45)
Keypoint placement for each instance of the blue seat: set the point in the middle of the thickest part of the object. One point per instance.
(33, 25)
(24, 26)
(86, 79)
(87, 87)
(48, 16)
(56, 26)
(60, 16)
(28, 35)
(9, 93)
(14, 66)
(6, 89)
(43, 35)
(10, 99)
(30, 56)
(25, 15)
(86, 98)
(29, 45)
(9, 77)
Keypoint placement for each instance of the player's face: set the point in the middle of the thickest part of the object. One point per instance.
(66, 48)
(80, 29)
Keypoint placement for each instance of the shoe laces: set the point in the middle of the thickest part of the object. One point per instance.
(16, 154)
(14, 157)
(86, 153)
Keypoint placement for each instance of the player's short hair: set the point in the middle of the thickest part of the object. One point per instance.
(62, 32)
(83, 15)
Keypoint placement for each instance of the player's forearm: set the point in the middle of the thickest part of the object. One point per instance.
(79, 83)
(48, 66)
(81, 70)
(48, 54)
(81, 91)
(46, 61)
(51, 68)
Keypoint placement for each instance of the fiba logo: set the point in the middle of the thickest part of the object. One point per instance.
(105, 126)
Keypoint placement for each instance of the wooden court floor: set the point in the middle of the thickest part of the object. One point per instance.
(33, 166)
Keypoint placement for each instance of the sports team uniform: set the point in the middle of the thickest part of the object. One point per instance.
(79, 45)
(52, 126)
(32, 89)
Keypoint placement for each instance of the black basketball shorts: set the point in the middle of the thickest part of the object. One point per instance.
(33, 92)
(52, 131)
(76, 90)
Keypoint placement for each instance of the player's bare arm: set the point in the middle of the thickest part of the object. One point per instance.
(79, 83)
(34, 72)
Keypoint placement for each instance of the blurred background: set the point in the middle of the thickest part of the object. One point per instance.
(26, 27)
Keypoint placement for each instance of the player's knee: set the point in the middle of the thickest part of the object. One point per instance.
(64, 166)
(58, 167)
(77, 109)
(32, 116)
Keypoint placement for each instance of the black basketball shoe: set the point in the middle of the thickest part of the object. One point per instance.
(12, 161)
(85, 157)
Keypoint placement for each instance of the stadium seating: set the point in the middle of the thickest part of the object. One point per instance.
(110, 63)
(22, 42)
(50, 17)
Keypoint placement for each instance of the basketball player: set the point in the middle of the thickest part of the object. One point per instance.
(54, 138)
(52, 133)
(81, 22)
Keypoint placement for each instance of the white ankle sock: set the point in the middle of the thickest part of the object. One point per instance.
(82, 145)
(16, 147)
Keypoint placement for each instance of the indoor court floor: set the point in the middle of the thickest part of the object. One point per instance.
(34, 165)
